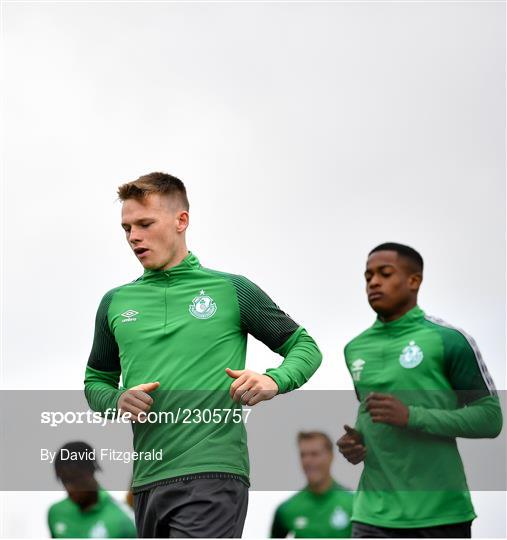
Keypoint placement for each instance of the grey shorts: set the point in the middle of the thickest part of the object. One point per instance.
(192, 508)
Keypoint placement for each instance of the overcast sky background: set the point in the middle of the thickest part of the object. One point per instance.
(306, 134)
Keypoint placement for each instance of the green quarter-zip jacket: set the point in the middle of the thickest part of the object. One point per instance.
(105, 519)
(183, 327)
(414, 476)
(315, 515)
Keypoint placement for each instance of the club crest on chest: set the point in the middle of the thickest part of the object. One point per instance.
(202, 306)
(411, 356)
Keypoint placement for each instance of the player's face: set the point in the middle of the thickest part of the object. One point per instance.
(80, 486)
(154, 227)
(316, 460)
(390, 284)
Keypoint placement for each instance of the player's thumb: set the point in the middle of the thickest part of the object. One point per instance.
(234, 373)
(349, 430)
(149, 387)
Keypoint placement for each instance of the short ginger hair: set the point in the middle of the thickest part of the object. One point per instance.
(311, 435)
(155, 182)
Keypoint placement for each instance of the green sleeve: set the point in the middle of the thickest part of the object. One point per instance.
(50, 523)
(278, 527)
(480, 419)
(102, 389)
(479, 414)
(465, 367)
(265, 321)
(302, 357)
(129, 530)
(103, 370)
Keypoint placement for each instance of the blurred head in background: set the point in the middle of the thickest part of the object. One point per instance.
(316, 453)
(75, 467)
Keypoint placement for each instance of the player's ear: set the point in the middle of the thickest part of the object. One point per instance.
(183, 219)
(414, 281)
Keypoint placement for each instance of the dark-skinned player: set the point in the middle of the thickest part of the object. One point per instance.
(421, 383)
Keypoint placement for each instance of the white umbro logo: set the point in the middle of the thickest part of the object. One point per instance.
(129, 315)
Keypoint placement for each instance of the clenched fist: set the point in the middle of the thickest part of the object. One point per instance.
(136, 399)
(250, 387)
(387, 409)
(351, 445)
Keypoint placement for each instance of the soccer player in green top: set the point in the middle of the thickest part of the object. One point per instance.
(321, 510)
(421, 383)
(88, 511)
(177, 337)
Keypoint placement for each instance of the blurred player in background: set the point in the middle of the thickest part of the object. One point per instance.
(177, 337)
(421, 383)
(88, 511)
(323, 508)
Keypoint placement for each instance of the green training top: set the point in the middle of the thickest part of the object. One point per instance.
(414, 476)
(105, 519)
(315, 515)
(183, 327)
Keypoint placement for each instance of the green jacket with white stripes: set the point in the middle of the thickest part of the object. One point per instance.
(413, 476)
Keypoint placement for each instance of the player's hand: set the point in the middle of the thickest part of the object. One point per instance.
(250, 387)
(351, 445)
(137, 399)
(387, 409)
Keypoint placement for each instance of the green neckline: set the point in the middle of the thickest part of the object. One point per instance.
(333, 487)
(190, 262)
(410, 317)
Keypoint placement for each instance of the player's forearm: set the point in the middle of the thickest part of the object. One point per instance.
(101, 389)
(302, 358)
(480, 419)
